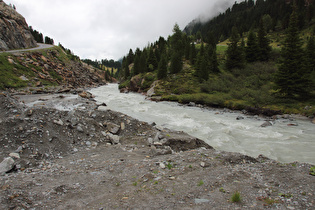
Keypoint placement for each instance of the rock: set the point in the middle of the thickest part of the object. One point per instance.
(192, 104)
(198, 201)
(122, 126)
(87, 95)
(59, 122)
(23, 78)
(266, 124)
(14, 155)
(150, 141)
(293, 124)
(6, 165)
(113, 128)
(240, 118)
(14, 33)
(203, 164)
(162, 166)
(113, 138)
(80, 129)
(313, 121)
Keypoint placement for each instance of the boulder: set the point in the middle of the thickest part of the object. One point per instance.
(6, 165)
(266, 124)
(113, 128)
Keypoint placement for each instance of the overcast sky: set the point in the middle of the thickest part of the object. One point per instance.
(99, 29)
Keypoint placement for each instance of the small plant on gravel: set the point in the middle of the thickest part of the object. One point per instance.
(222, 190)
(156, 182)
(169, 166)
(236, 197)
(190, 166)
(312, 171)
(135, 184)
(200, 183)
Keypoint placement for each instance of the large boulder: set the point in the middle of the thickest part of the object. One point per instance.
(14, 31)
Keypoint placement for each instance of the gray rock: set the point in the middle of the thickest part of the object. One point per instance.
(266, 124)
(59, 122)
(80, 129)
(239, 118)
(162, 165)
(14, 155)
(113, 138)
(198, 201)
(113, 128)
(6, 165)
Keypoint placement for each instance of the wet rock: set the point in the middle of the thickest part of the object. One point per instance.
(313, 121)
(87, 95)
(6, 165)
(240, 118)
(266, 124)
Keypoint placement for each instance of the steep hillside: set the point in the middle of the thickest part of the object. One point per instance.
(14, 31)
(49, 67)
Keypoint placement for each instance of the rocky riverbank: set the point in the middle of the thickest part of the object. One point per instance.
(60, 151)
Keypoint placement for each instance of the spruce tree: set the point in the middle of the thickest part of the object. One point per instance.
(263, 43)
(143, 61)
(234, 55)
(176, 63)
(291, 78)
(251, 49)
(214, 61)
(192, 54)
(152, 59)
(136, 66)
(162, 69)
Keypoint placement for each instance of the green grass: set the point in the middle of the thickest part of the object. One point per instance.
(236, 197)
(312, 171)
(200, 183)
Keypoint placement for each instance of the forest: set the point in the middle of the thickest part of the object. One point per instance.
(256, 54)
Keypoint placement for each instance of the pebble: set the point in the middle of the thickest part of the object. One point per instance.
(162, 165)
(15, 155)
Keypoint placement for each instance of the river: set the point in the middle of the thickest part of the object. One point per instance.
(218, 127)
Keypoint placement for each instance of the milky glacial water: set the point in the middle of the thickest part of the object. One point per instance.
(218, 127)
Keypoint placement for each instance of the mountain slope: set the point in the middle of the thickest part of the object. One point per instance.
(14, 31)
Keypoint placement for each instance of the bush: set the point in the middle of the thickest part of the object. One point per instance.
(236, 197)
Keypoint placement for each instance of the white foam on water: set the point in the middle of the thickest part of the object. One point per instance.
(218, 128)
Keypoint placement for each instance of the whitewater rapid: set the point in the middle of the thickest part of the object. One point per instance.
(219, 127)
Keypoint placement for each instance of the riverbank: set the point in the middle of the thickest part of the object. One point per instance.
(69, 154)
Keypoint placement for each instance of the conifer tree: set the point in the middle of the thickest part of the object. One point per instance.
(176, 63)
(234, 56)
(192, 54)
(152, 59)
(214, 61)
(263, 43)
(136, 66)
(291, 78)
(143, 62)
(162, 69)
(251, 49)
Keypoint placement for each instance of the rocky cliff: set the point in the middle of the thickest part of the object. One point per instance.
(14, 32)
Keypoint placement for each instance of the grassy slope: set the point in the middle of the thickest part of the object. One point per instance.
(10, 72)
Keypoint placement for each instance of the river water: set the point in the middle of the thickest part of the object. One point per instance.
(218, 127)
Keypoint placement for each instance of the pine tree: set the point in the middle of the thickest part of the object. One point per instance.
(152, 60)
(176, 63)
(263, 43)
(252, 49)
(214, 61)
(202, 64)
(162, 69)
(136, 66)
(234, 56)
(143, 61)
(291, 78)
(192, 54)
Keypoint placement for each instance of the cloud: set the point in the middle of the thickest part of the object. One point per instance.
(99, 29)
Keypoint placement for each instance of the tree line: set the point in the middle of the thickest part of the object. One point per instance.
(40, 38)
(246, 15)
(296, 64)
